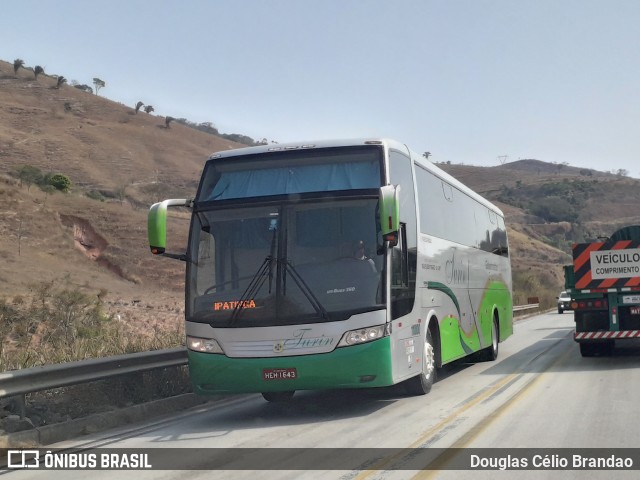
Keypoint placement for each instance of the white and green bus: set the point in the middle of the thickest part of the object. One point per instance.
(345, 264)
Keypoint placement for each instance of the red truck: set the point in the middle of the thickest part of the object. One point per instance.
(604, 284)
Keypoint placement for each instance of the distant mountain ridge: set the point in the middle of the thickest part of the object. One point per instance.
(539, 166)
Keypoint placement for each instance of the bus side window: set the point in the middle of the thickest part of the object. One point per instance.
(206, 273)
(402, 294)
(399, 271)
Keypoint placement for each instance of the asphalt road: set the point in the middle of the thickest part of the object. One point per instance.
(539, 394)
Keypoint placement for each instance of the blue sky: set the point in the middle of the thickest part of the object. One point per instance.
(467, 80)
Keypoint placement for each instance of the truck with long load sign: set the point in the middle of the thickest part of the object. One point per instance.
(604, 284)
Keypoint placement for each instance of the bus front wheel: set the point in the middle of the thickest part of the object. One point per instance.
(278, 396)
(421, 384)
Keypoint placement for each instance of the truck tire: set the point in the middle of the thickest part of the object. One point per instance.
(421, 384)
(588, 349)
(607, 348)
(604, 349)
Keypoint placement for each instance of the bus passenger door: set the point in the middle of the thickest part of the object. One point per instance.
(408, 345)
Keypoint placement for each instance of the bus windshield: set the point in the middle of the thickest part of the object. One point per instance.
(286, 263)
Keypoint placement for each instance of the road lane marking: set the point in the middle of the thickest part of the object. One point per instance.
(422, 439)
(483, 424)
(488, 393)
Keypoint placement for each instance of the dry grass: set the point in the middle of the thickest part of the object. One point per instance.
(58, 322)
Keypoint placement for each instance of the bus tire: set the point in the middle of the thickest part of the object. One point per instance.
(278, 397)
(491, 353)
(421, 384)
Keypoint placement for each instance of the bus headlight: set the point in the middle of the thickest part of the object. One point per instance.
(204, 345)
(362, 335)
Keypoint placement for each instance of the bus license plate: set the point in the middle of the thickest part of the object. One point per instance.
(279, 373)
(635, 310)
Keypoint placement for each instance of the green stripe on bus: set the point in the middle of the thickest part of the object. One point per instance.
(455, 342)
(441, 287)
(497, 297)
(358, 366)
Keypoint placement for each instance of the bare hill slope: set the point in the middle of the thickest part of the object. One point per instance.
(124, 160)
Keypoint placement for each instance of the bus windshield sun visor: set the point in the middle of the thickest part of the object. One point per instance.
(272, 179)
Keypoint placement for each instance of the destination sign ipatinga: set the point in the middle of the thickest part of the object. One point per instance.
(233, 304)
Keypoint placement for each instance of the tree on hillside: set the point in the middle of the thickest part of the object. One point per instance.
(61, 80)
(555, 209)
(60, 182)
(37, 71)
(98, 84)
(149, 108)
(138, 106)
(121, 192)
(84, 88)
(28, 174)
(167, 121)
(17, 63)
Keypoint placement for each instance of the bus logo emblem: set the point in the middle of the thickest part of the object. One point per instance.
(278, 347)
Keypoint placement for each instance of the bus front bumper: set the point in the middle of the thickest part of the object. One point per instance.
(358, 366)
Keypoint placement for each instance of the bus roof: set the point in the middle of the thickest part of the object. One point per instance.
(389, 143)
(282, 147)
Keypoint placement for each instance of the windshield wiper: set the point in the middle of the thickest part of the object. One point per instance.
(304, 288)
(265, 270)
(302, 285)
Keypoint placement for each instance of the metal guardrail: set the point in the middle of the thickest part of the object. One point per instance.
(17, 383)
(517, 308)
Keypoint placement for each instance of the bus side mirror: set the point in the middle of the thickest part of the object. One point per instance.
(389, 214)
(157, 226)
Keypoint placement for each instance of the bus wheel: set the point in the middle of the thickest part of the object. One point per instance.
(421, 384)
(491, 353)
(278, 396)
